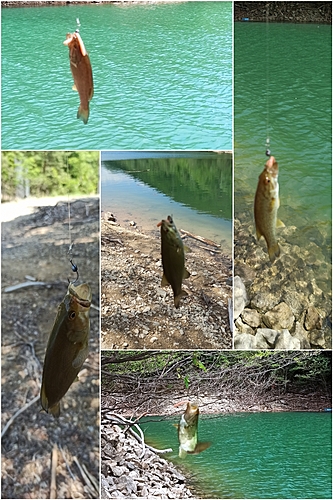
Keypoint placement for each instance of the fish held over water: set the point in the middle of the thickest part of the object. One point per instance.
(266, 204)
(67, 347)
(82, 73)
(188, 432)
(173, 259)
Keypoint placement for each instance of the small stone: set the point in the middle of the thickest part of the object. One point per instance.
(244, 341)
(240, 297)
(153, 339)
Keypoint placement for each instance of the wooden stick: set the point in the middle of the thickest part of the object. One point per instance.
(21, 410)
(54, 463)
(200, 238)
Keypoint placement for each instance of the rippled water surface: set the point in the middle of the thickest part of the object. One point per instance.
(162, 77)
(256, 455)
(194, 187)
(283, 91)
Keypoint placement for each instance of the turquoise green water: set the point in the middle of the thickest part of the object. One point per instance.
(283, 89)
(162, 77)
(256, 455)
(195, 188)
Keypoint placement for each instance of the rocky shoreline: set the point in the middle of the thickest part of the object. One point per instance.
(291, 12)
(287, 304)
(130, 471)
(136, 313)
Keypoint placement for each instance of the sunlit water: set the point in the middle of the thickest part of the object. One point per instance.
(256, 455)
(195, 188)
(162, 77)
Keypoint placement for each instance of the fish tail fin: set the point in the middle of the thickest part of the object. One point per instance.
(201, 447)
(274, 252)
(178, 297)
(83, 114)
(55, 409)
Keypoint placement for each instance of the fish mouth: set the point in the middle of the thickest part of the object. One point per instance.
(81, 294)
(167, 224)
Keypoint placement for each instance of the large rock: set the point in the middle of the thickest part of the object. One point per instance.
(251, 317)
(240, 297)
(287, 341)
(280, 317)
(312, 319)
(266, 338)
(244, 341)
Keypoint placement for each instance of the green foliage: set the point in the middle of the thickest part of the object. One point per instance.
(49, 173)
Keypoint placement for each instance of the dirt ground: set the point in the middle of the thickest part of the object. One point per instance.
(35, 243)
(136, 313)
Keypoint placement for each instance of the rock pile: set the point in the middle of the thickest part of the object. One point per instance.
(287, 304)
(125, 473)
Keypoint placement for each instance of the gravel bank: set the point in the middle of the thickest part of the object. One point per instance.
(138, 314)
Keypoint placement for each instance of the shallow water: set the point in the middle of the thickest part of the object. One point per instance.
(162, 77)
(283, 91)
(195, 188)
(256, 455)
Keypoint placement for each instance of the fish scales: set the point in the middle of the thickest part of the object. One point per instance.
(67, 346)
(266, 204)
(82, 73)
(188, 432)
(173, 259)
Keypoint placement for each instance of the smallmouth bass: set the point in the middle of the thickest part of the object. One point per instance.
(173, 259)
(67, 347)
(82, 73)
(266, 204)
(188, 432)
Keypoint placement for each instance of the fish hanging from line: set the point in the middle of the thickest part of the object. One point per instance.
(173, 258)
(67, 347)
(82, 73)
(266, 204)
(188, 432)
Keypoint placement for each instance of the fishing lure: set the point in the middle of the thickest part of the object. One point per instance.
(67, 347)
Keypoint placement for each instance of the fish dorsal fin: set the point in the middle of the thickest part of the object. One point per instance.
(74, 88)
(164, 281)
(187, 249)
(279, 223)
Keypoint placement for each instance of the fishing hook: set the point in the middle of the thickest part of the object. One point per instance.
(75, 270)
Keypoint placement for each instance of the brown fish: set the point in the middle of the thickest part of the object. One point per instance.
(82, 73)
(67, 347)
(188, 432)
(173, 259)
(266, 204)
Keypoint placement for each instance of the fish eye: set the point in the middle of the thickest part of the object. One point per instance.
(71, 315)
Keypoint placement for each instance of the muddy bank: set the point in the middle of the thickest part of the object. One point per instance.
(138, 314)
(291, 12)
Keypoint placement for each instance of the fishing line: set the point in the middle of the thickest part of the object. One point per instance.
(70, 248)
(268, 152)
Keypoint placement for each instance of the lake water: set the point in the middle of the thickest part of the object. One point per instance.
(283, 90)
(255, 455)
(193, 187)
(162, 77)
